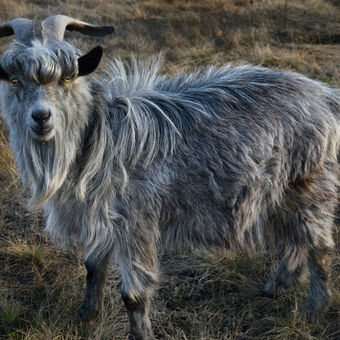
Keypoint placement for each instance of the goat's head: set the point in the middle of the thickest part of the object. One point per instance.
(45, 99)
(43, 79)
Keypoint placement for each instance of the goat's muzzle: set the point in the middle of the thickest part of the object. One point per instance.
(42, 127)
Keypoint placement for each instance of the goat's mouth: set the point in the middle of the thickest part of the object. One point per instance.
(42, 133)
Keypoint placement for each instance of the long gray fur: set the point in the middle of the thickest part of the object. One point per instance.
(236, 158)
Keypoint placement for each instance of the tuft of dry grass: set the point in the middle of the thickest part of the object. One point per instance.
(202, 296)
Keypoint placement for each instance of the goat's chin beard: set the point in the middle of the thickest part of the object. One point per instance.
(44, 166)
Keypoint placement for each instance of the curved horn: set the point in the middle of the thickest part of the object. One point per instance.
(53, 28)
(23, 30)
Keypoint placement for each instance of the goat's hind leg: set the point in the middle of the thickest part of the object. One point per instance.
(320, 293)
(95, 282)
(319, 223)
(292, 270)
(311, 205)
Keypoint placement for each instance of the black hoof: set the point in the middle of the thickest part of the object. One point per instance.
(273, 290)
(141, 337)
(268, 295)
(87, 314)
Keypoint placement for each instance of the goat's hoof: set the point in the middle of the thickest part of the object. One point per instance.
(312, 317)
(86, 314)
(138, 334)
(141, 337)
(272, 290)
(268, 294)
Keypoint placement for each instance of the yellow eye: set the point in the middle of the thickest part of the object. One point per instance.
(15, 82)
(67, 79)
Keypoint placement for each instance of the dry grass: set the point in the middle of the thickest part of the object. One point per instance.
(202, 296)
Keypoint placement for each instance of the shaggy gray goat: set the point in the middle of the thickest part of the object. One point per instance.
(131, 162)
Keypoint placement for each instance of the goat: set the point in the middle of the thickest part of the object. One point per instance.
(130, 163)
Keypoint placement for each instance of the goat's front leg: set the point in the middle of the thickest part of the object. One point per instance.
(138, 312)
(95, 282)
(139, 277)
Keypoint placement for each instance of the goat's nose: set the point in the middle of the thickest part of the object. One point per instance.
(41, 116)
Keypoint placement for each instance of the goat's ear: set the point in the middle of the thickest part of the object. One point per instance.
(3, 74)
(90, 61)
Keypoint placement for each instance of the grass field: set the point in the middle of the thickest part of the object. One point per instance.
(202, 296)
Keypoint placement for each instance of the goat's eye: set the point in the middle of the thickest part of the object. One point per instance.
(67, 79)
(15, 82)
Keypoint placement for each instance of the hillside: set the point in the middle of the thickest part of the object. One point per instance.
(202, 296)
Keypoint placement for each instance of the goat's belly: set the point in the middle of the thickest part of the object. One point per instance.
(209, 229)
